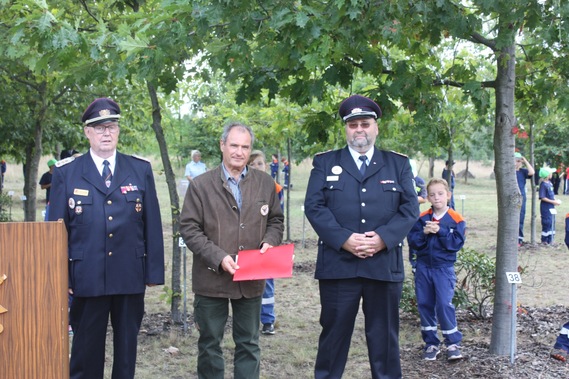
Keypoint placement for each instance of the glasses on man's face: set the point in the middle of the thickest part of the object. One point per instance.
(112, 127)
(355, 124)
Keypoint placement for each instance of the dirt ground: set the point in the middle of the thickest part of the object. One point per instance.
(537, 329)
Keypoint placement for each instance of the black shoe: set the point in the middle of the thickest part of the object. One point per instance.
(268, 329)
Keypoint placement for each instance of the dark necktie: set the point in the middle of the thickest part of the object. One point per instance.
(107, 175)
(363, 167)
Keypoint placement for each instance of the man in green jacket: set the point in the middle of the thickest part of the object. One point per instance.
(226, 210)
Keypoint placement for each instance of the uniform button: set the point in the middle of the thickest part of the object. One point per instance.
(109, 202)
(363, 220)
(110, 235)
(110, 253)
(110, 218)
(331, 187)
(242, 226)
(79, 202)
(364, 190)
(241, 248)
(363, 204)
(137, 200)
(394, 189)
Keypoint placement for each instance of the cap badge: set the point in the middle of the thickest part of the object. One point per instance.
(336, 170)
(104, 112)
(356, 110)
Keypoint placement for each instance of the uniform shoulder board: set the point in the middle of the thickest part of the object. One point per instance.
(141, 158)
(322, 152)
(65, 161)
(403, 155)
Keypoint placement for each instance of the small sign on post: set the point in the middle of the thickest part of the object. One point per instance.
(513, 278)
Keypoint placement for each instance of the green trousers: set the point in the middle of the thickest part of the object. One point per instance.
(210, 314)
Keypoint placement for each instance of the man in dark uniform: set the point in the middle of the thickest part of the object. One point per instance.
(108, 203)
(362, 203)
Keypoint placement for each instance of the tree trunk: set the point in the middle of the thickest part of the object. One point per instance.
(174, 202)
(509, 200)
(431, 167)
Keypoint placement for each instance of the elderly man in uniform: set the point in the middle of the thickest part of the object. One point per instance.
(108, 203)
(226, 210)
(362, 203)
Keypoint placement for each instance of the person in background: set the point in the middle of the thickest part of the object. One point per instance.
(422, 199)
(108, 203)
(3, 168)
(560, 349)
(226, 210)
(361, 201)
(275, 167)
(522, 175)
(286, 170)
(448, 175)
(195, 167)
(45, 183)
(68, 153)
(547, 202)
(437, 237)
(257, 161)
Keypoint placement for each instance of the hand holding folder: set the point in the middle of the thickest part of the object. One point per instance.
(276, 262)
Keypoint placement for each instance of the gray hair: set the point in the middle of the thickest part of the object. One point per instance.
(194, 152)
(227, 128)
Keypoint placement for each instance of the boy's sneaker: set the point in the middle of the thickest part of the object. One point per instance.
(453, 352)
(268, 329)
(431, 353)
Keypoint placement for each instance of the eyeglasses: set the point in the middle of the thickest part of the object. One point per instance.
(112, 127)
(363, 124)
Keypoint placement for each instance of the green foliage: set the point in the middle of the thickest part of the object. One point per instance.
(474, 289)
(5, 205)
(168, 295)
(476, 273)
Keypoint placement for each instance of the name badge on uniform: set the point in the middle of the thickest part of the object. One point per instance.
(332, 178)
(81, 192)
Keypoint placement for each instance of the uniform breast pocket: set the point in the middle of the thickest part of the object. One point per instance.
(334, 193)
(392, 194)
(81, 213)
(134, 205)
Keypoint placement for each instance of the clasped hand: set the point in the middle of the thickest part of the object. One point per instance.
(364, 245)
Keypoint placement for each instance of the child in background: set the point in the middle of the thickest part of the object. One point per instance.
(422, 198)
(560, 350)
(286, 170)
(275, 167)
(437, 237)
(548, 202)
(257, 162)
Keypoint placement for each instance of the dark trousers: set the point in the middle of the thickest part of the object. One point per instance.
(210, 315)
(340, 301)
(434, 288)
(89, 317)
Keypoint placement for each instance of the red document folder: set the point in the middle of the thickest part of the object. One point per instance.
(274, 263)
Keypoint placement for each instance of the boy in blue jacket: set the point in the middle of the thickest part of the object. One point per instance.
(437, 237)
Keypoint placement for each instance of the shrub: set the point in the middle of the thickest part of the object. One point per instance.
(474, 290)
(5, 204)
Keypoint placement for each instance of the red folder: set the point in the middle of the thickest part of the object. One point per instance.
(276, 262)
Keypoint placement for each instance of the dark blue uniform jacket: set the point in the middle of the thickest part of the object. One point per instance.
(340, 202)
(115, 235)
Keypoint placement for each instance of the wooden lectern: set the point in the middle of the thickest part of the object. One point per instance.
(34, 342)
